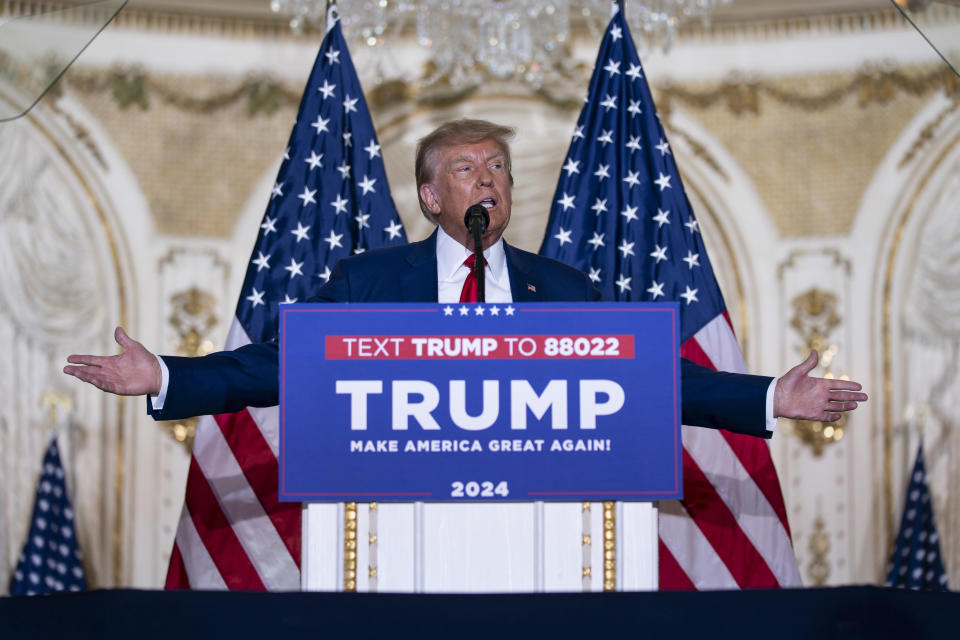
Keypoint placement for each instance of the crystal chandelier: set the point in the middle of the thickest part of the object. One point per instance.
(469, 41)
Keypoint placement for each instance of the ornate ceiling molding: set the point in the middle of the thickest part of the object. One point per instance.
(245, 20)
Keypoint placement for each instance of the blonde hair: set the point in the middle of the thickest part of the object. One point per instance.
(454, 133)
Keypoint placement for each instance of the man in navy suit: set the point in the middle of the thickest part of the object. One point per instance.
(460, 164)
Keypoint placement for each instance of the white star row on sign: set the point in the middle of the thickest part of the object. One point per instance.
(478, 310)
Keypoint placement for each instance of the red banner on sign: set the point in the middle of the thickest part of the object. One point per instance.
(536, 347)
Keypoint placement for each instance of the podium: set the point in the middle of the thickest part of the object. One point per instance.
(392, 416)
(511, 547)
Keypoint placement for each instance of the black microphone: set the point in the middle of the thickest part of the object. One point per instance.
(477, 213)
(477, 219)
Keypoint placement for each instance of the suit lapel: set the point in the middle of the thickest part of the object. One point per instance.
(419, 282)
(523, 286)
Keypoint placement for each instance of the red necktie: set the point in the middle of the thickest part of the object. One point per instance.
(469, 291)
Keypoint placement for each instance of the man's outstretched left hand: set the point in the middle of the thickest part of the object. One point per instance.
(800, 397)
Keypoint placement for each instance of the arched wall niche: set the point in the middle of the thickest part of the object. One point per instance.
(71, 221)
(914, 203)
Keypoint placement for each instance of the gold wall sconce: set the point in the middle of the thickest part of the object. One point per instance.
(814, 318)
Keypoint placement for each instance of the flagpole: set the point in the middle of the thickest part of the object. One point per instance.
(332, 15)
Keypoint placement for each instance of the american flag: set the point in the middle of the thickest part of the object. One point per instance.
(621, 216)
(330, 200)
(50, 560)
(916, 563)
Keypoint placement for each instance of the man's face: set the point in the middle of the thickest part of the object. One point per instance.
(466, 175)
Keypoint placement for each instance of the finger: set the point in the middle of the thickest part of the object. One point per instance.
(843, 406)
(90, 376)
(809, 364)
(94, 361)
(830, 417)
(71, 371)
(846, 385)
(122, 338)
(846, 396)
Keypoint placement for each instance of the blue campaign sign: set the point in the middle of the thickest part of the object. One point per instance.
(480, 402)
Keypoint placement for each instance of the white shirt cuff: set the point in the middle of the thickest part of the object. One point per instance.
(156, 401)
(771, 419)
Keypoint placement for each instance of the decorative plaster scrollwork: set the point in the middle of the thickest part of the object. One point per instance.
(193, 318)
(814, 318)
(61, 290)
(819, 568)
(49, 287)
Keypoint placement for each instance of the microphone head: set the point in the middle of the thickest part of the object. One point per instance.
(477, 211)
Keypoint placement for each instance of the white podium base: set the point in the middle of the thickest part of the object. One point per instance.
(509, 547)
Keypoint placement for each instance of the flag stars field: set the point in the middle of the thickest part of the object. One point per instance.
(662, 218)
(320, 124)
(339, 204)
(367, 185)
(327, 89)
(301, 232)
(314, 160)
(262, 261)
(307, 196)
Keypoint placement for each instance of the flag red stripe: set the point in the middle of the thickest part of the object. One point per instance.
(691, 350)
(720, 527)
(218, 536)
(176, 572)
(672, 575)
(259, 466)
(754, 455)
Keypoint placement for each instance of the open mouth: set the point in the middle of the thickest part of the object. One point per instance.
(488, 203)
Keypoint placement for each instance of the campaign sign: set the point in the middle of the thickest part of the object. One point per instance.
(479, 402)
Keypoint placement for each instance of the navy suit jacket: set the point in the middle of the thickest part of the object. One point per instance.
(248, 376)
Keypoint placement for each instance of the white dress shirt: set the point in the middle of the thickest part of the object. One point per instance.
(451, 272)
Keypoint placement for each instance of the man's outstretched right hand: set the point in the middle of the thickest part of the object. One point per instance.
(134, 372)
